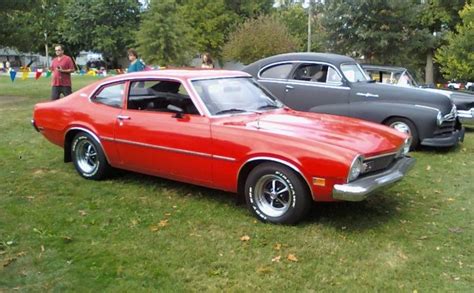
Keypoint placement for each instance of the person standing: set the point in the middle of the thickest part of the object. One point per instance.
(207, 61)
(135, 63)
(62, 67)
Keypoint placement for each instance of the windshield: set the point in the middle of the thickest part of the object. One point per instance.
(353, 72)
(234, 95)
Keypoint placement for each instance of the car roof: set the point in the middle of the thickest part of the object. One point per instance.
(382, 67)
(331, 58)
(183, 74)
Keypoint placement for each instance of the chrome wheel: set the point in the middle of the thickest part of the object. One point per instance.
(273, 195)
(402, 127)
(86, 156)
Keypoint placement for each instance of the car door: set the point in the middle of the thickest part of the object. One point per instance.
(275, 78)
(317, 87)
(153, 139)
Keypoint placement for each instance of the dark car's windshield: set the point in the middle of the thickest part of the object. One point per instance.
(234, 95)
(353, 72)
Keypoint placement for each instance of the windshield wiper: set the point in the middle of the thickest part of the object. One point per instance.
(268, 106)
(232, 110)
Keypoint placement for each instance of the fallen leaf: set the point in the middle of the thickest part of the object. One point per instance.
(455, 230)
(402, 255)
(428, 168)
(67, 239)
(42, 248)
(277, 246)
(423, 238)
(168, 214)
(8, 261)
(292, 257)
(163, 223)
(245, 238)
(82, 213)
(21, 253)
(276, 258)
(154, 228)
(450, 199)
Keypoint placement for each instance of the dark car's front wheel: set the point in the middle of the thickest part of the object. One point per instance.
(88, 157)
(406, 126)
(274, 193)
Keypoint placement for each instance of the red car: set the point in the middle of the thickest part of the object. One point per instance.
(222, 130)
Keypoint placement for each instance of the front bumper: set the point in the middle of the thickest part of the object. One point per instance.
(361, 188)
(466, 117)
(445, 141)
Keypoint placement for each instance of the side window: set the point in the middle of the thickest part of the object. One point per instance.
(110, 95)
(333, 76)
(158, 96)
(311, 72)
(279, 71)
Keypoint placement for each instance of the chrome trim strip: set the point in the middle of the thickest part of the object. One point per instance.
(107, 138)
(224, 158)
(427, 107)
(176, 150)
(164, 148)
(367, 95)
(281, 162)
(306, 83)
(381, 155)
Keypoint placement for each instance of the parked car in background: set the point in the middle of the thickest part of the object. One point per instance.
(336, 84)
(470, 86)
(454, 85)
(220, 129)
(400, 76)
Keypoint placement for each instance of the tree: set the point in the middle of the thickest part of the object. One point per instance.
(436, 18)
(457, 57)
(249, 8)
(163, 37)
(379, 31)
(104, 26)
(211, 23)
(259, 38)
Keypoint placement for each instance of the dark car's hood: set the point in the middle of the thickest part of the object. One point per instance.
(352, 134)
(406, 95)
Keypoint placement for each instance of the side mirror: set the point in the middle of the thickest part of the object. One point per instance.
(177, 110)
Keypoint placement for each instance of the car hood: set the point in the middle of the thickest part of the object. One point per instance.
(353, 134)
(406, 95)
(463, 101)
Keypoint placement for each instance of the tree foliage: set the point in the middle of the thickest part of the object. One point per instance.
(457, 57)
(103, 26)
(259, 38)
(381, 31)
(163, 37)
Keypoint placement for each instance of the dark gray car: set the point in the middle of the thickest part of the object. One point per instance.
(336, 84)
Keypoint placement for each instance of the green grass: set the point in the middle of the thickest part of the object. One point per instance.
(61, 232)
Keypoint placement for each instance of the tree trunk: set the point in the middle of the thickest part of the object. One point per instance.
(429, 68)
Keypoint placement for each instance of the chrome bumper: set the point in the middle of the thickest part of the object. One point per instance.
(466, 117)
(361, 188)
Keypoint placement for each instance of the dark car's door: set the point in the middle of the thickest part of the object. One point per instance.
(275, 78)
(152, 139)
(317, 87)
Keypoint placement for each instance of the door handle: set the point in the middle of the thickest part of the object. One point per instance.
(122, 117)
(289, 87)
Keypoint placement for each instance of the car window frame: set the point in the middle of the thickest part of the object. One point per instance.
(342, 85)
(267, 67)
(100, 88)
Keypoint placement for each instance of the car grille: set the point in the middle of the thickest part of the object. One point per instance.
(447, 127)
(377, 163)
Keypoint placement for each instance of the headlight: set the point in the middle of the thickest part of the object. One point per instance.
(439, 119)
(356, 168)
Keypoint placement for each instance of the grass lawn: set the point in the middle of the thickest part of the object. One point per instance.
(134, 232)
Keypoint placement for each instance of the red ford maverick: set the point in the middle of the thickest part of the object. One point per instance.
(222, 130)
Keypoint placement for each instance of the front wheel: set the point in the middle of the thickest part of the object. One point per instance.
(406, 126)
(88, 157)
(274, 193)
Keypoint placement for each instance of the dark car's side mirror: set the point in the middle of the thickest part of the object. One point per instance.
(177, 110)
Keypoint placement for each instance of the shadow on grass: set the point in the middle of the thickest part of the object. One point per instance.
(351, 215)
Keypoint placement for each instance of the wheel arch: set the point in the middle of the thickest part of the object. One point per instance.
(252, 163)
(69, 136)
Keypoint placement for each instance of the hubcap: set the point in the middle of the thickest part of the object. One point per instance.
(272, 195)
(86, 155)
(402, 127)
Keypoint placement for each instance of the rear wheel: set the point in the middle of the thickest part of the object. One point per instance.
(88, 157)
(274, 193)
(406, 126)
